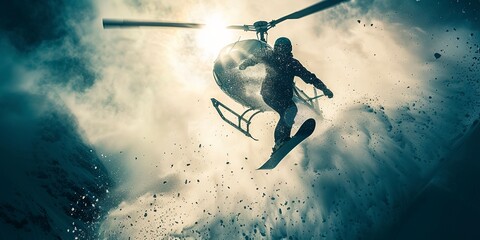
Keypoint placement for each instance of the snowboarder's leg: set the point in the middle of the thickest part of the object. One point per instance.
(287, 110)
(284, 126)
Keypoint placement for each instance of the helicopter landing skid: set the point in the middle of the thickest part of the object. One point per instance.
(243, 128)
(311, 102)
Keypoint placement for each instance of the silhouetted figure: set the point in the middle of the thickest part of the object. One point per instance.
(277, 88)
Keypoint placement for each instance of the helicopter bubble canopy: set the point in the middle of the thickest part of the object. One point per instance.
(242, 85)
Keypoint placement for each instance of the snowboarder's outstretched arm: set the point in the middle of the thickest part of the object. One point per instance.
(309, 77)
(248, 63)
(255, 59)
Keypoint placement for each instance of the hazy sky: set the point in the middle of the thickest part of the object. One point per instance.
(142, 98)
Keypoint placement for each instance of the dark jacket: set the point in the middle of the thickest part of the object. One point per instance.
(281, 69)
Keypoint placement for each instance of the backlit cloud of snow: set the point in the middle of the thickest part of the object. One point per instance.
(181, 171)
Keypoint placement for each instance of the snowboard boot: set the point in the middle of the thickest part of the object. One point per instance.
(279, 144)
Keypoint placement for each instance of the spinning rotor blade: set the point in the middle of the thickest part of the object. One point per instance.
(121, 23)
(309, 10)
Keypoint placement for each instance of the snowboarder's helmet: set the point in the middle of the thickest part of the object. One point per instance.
(283, 44)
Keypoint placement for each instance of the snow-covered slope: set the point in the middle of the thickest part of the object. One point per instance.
(53, 184)
(447, 207)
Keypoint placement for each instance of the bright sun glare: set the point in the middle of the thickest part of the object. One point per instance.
(213, 37)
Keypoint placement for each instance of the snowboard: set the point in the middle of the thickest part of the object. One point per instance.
(303, 132)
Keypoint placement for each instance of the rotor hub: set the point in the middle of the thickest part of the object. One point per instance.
(261, 26)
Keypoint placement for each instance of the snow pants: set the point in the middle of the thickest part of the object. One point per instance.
(287, 110)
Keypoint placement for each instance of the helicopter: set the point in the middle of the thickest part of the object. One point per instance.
(241, 86)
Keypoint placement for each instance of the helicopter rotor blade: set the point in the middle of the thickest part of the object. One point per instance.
(239, 27)
(123, 23)
(307, 11)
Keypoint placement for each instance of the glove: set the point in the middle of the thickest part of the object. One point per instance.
(328, 93)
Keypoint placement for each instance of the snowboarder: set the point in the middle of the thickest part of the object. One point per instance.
(277, 87)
